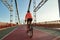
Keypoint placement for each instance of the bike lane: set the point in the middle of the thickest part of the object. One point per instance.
(20, 34)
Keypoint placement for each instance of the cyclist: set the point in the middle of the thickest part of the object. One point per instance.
(28, 19)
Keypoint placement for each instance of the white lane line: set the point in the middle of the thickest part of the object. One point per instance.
(57, 28)
(8, 34)
(4, 28)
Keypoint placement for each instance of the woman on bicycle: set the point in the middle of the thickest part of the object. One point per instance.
(28, 19)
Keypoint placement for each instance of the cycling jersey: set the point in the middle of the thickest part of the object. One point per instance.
(28, 15)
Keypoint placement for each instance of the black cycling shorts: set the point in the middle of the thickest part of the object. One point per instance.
(29, 19)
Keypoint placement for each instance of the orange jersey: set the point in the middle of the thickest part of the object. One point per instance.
(28, 15)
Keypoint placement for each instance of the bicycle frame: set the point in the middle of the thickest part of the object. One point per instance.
(30, 30)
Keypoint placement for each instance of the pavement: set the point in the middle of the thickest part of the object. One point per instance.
(20, 34)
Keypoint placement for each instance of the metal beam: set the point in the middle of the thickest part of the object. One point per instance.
(40, 5)
(5, 3)
(34, 13)
(59, 7)
(17, 11)
(29, 5)
(10, 8)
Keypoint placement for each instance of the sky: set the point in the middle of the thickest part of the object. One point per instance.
(48, 12)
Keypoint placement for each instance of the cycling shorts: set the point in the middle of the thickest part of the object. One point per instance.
(29, 19)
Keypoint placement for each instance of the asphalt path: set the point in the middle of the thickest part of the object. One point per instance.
(20, 34)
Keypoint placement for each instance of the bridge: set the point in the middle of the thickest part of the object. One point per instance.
(15, 30)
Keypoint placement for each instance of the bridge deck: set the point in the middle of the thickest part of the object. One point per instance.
(20, 34)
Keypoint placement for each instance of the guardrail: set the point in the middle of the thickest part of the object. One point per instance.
(47, 25)
(7, 25)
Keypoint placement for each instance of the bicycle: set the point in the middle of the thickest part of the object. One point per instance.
(30, 30)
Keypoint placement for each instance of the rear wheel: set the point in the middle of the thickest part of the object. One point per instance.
(30, 32)
(30, 29)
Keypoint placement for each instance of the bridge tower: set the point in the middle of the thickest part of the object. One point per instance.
(9, 5)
